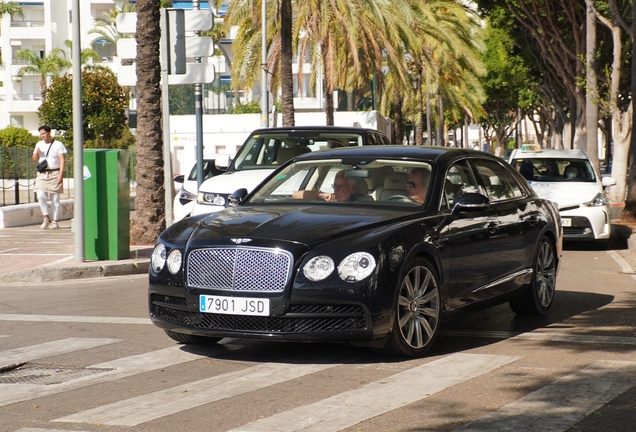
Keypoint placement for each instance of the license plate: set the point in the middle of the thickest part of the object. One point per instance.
(566, 222)
(234, 305)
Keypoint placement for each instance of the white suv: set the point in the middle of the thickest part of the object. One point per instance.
(267, 149)
(568, 178)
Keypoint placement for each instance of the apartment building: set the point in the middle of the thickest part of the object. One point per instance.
(46, 25)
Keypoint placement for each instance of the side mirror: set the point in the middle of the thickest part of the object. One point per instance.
(222, 162)
(179, 178)
(237, 196)
(470, 202)
(608, 181)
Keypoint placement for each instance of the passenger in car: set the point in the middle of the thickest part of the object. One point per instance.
(571, 172)
(344, 190)
(417, 184)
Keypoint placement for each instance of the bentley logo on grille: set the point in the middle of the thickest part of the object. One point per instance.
(241, 240)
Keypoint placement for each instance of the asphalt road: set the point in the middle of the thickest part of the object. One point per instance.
(90, 361)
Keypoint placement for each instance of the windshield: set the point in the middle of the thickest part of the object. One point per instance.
(383, 182)
(555, 169)
(271, 149)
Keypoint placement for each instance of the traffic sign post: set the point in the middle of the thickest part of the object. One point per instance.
(181, 46)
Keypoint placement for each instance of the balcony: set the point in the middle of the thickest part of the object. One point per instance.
(22, 102)
(27, 30)
(26, 24)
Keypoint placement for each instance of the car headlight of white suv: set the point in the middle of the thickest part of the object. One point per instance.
(211, 198)
(600, 200)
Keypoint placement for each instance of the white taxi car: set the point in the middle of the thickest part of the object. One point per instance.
(267, 149)
(184, 199)
(568, 178)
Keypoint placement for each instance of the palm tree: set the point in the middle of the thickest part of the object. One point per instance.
(11, 8)
(48, 67)
(106, 27)
(448, 57)
(87, 55)
(286, 56)
(149, 219)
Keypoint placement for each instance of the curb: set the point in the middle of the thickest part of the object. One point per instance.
(51, 274)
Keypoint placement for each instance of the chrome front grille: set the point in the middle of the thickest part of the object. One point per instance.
(239, 269)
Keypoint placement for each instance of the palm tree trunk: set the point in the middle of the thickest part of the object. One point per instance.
(397, 116)
(429, 125)
(149, 219)
(287, 78)
(440, 129)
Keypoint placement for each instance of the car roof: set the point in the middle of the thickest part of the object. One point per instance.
(431, 153)
(315, 128)
(549, 153)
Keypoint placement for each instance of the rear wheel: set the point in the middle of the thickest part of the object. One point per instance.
(417, 313)
(191, 339)
(537, 299)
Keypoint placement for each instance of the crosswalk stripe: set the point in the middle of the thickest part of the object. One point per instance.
(45, 430)
(75, 319)
(159, 404)
(50, 349)
(557, 406)
(113, 370)
(351, 407)
(550, 337)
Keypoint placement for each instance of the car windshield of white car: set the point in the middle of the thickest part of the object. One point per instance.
(555, 169)
(375, 182)
(272, 149)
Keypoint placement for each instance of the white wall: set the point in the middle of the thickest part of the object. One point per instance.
(224, 134)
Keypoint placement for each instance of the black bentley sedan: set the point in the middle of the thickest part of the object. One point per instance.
(374, 245)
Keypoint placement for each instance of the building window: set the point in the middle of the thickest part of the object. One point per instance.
(17, 121)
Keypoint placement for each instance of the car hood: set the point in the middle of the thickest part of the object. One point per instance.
(228, 182)
(308, 224)
(566, 193)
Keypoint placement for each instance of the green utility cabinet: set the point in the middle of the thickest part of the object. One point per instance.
(106, 204)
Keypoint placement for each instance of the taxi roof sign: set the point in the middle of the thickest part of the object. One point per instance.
(530, 147)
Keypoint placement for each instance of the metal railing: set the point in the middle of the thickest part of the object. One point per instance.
(26, 24)
(17, 175)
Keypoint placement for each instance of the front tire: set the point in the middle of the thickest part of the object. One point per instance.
(417, 313)
(538, 298)
(191, 339)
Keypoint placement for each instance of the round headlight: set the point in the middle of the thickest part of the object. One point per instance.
(356, 267)
(174, 261)
(318, 268)
(218, 200)
(158, 258)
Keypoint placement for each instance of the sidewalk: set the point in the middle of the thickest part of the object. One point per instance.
(31, 254)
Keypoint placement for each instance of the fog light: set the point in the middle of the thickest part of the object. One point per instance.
(587, 231)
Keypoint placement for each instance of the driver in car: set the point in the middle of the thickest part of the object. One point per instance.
(344, 189)
(417, 184)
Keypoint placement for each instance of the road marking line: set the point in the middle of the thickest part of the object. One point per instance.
(159, 404)
(625, 267)
(351, 407)
(8, 250)
(50, 349)
(113, 370)
(75, 319)
(38, 254)
(557, 406)
(549, 337)
(45, 430)
(59, 261)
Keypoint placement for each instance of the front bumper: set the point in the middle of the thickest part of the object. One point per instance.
(586, 223)
(302, 322)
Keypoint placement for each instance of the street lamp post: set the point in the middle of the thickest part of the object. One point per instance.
(264, 92)
(78, 138)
